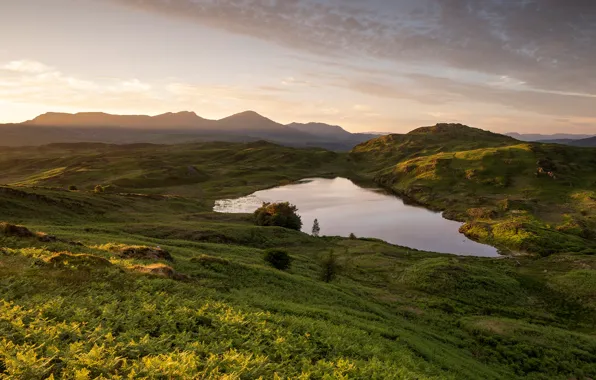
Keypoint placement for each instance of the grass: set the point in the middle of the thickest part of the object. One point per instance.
(520, 197)
(74, 305)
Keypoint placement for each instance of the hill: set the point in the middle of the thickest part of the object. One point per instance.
(589, 142)
(171, 128)
(143, 280)
(194, 170)
(514, 195)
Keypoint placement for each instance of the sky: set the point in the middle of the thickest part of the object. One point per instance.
(377, 65)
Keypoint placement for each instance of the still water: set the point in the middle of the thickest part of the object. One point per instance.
(343, 208)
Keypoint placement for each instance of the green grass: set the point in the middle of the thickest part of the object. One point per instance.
(73, 306)
(520, 197)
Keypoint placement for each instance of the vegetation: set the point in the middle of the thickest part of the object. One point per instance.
(145, 281)
(520, 197)
(329, 267)
(316, 229)
(278, 259)
(278, 214)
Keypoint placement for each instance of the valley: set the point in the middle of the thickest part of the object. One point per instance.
(88, 293)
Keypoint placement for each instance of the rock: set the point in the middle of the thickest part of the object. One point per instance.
(45, 238)
(146, 253)
(14, 230)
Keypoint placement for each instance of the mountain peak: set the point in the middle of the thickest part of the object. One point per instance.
(247, 115)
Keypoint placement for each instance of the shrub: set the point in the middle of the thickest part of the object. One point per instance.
(278, 258)
(72, 188)
(278, 214)
(98, 189)
(329, 267)
(352, 236)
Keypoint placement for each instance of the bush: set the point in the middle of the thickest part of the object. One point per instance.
(98, 189)
(278, 259)
(72, 188)
(329, 267)
(278, 214)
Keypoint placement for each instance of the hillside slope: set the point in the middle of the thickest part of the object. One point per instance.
(518, 196)
(194, 170)
(158, 286)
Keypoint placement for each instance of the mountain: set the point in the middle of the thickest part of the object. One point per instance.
(589, 142)
(100, 119)
(322, 130)
(551, 138)
(173, 128)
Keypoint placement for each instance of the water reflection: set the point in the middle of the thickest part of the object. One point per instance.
(343, 208)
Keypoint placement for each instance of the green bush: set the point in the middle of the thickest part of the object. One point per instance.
(98, 189)
(72, 188)
(278, 214)
(329, 267)
(278, 259)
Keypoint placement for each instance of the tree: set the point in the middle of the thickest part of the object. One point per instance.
(278, 214)
(278, 259)
(316, 229)
(72, 188)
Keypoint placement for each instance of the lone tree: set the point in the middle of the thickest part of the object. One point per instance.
(316, 229)
(278, 214)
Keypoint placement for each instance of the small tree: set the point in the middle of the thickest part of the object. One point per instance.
(278, 259)
(278, 214)
(72, 188)
(329, 267)
(352, 236)
(316, 229)
(98, 189)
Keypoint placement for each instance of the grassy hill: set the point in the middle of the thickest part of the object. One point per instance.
(518, 196)
(202, 170)
(143, 280)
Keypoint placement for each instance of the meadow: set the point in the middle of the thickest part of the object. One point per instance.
(140, 279)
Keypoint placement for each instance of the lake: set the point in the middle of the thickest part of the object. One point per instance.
(343, 208)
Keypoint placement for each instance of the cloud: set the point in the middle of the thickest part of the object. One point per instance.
(547, 44)
(440, 91)
(33, 82)
(26, 66)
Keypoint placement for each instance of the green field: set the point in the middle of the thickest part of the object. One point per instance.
(86, 292)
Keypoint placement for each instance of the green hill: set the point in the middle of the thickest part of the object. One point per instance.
(143, 280)
(518, 196)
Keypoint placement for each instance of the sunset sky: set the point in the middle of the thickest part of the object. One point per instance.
(375, 65)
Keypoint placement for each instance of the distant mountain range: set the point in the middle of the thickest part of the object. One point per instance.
(174, 128)
(558, 138)
(182, 127)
